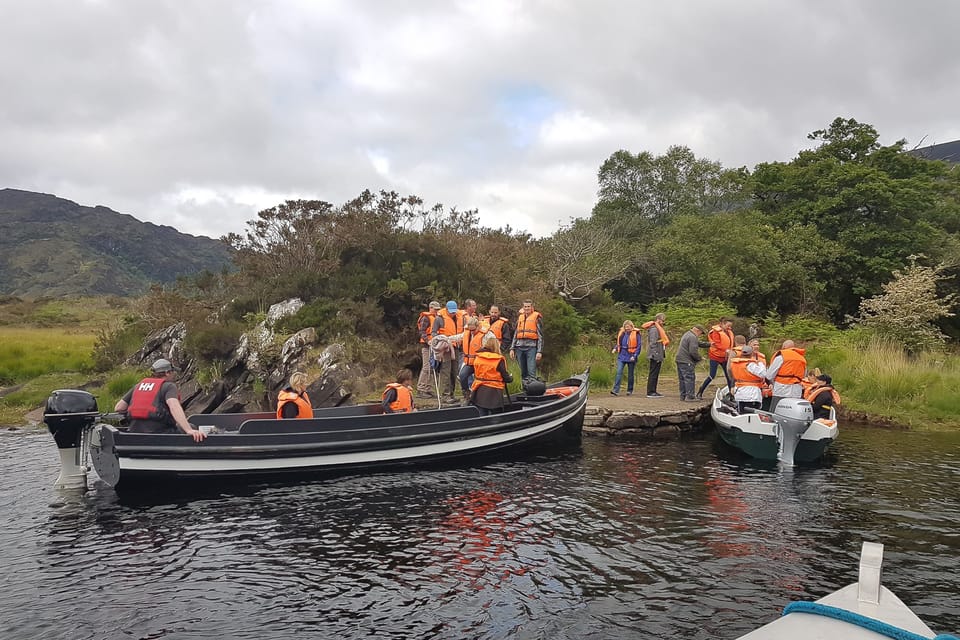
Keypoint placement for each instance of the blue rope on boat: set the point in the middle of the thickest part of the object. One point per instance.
(872, 624)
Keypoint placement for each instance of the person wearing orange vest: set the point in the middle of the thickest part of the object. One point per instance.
(766, 391)
(153, 404)
(293, 401)
(470, 341)
(527, 345)
(425, 333)
(490, 377)
(748, 379)
(500, 328)
(721, 341)
(822, 396)
(628, 350)
(450, 323)
(786, 372)
(398, 396)
(657, 341)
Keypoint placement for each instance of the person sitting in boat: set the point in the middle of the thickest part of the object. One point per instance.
(748, 379)
(786, 372)
(153, 404)
(293, 401)
(822, 396)
(398, 396)
(489, 370)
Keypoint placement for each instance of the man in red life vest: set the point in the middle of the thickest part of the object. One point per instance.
(153, 404)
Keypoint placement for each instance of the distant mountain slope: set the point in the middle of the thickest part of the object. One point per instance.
(947, 151)
(54, 247)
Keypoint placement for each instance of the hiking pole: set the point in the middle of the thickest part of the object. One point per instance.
(436, 383)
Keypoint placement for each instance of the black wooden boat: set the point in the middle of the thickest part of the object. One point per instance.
(241, 446)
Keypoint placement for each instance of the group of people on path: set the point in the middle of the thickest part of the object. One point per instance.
(464, 348)
(751, 381)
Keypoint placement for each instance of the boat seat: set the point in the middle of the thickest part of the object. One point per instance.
(327, 422)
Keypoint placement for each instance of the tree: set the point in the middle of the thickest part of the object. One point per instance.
(908, 308)
(656, 188)
(584, 256)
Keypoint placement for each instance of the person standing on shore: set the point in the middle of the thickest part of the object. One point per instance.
(657, 341)
(500, 328)
(688, 355)
(527, 346)
(425, 330)
(721, 342)
(627, 350)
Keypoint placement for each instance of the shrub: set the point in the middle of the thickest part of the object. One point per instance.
(209, 342)
(562, 328)
(114, 345)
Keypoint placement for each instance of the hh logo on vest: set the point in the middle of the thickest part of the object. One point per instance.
(146, 386)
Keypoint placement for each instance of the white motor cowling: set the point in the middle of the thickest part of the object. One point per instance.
(794, 416)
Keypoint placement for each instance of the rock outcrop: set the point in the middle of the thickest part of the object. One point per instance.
(253, 373)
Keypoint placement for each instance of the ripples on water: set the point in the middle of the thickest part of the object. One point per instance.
(624, 540)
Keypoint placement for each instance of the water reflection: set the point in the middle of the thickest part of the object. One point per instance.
(624, 539)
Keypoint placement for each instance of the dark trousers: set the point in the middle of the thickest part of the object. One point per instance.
(688, 379)
(653, 376)
(714, 365)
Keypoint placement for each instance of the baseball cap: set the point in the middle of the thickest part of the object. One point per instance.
(451, 306)
(434, 304)
(746, 350)
(700, 327)
(162, 366)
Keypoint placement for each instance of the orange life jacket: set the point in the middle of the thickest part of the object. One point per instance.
(742, 377)
(663, 333)
(794, 366)
(497, 327)
(527, 326)
(429, 332)
(816, 390)
(632, 340)
(472, 341)
(720, 341)
(485, 371)
(404, 401)
(302, 400)
(452, 325)
(145, 402)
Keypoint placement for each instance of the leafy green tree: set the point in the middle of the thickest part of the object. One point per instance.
(908, 309)
(879, 204)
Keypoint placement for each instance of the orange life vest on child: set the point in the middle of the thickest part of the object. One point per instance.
(404, 401)
(301, 400)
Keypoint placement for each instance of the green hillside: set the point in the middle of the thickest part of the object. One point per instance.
(54, 247)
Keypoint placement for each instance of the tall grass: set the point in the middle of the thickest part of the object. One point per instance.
(26, 353)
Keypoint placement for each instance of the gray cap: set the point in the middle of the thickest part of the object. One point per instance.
(700, 327)
(162, 366)
(434, 304)
(746, 350)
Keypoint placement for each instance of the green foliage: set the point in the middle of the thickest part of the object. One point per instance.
(323, 315)
(117, 386)
(908, 308)
(34, 394)
(209, 342)
(685, 310)
(116, 344)
(562, 327)
(798, 328)
(207, 375)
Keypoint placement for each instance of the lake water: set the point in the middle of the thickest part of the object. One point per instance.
(625, 539)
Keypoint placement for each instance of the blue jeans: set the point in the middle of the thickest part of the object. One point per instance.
(617, 380)
(527, 359)
(714, 365)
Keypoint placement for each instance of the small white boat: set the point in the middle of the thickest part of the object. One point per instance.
(789, 434)
(865, 610)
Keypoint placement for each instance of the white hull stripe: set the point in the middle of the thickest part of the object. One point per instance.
(200, 465)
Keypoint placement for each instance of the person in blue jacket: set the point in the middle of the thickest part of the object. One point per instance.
(627, 350)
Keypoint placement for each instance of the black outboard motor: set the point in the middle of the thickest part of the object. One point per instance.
(68, 414)
(794, 416)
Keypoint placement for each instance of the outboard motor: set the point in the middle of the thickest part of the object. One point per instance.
(68, 414)
(794, 416)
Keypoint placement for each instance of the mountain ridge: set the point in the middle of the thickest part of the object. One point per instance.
(54, 247)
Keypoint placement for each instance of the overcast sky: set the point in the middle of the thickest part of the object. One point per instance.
(199, 114)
